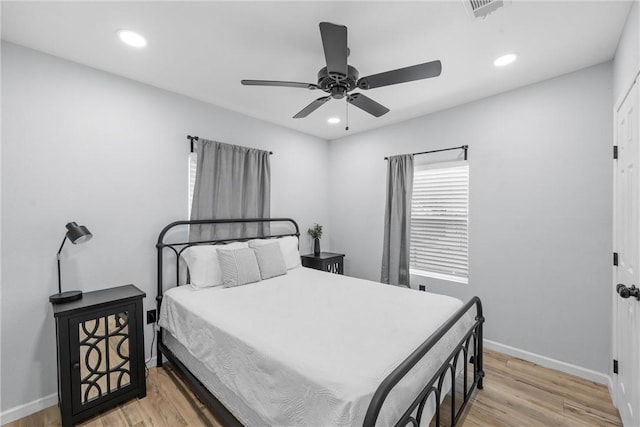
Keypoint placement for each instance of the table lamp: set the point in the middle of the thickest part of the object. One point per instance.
(77, 234)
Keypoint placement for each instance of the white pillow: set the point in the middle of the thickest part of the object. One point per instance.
(204, 267)
(239, 267)
(288, 246)
(270, 260)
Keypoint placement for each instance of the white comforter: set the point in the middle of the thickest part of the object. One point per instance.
(310, 348)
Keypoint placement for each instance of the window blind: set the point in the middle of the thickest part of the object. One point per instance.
(439, 221)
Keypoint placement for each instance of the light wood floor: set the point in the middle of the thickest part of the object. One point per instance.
(516, 393)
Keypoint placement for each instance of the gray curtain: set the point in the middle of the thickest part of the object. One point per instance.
(231, 182)
(397, 221)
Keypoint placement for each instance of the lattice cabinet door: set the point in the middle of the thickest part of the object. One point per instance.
(101, 362)
(334, 266)
(100, 353)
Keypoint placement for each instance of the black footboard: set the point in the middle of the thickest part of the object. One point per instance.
(413, 414)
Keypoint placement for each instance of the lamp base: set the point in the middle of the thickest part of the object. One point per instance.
(65, 297)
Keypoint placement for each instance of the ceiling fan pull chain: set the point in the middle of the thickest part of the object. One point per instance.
(346, 108)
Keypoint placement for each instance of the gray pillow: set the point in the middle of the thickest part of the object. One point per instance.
(239, 267)
(270, 260)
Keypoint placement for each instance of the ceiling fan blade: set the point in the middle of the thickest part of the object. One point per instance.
(367, 104)
(402, 75)
(311, 107)
(334, 42)
(278, 83)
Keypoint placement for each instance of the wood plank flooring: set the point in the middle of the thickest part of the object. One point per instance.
(516, 393)
(520, 393)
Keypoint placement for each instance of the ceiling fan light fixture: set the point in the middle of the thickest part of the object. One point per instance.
(131, 38)
(505, 59)
(333, 120)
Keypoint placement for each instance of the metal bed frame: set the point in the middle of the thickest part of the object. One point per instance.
(413, 414)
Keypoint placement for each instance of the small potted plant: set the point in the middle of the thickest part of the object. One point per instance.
(316, 233)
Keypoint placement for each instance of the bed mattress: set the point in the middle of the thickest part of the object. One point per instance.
(309, 348)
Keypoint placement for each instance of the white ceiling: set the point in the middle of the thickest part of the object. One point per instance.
(204, 49)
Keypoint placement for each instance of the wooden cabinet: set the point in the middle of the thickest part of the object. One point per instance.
(100, 344)
(326, 261)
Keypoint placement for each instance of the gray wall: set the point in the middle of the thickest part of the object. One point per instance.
(540, 209)
(80, 144)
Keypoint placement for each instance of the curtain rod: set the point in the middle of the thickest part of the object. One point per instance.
(195, 138)
(462, 147)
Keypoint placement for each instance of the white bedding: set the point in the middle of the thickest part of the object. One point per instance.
(310, 348)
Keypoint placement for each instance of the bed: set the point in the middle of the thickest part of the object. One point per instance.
(313, 348)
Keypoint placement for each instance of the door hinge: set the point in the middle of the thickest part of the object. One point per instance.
(615, 152)
(615, 258)
(615, 366)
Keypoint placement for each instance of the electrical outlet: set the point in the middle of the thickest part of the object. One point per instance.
(151, 316)
(422, 288)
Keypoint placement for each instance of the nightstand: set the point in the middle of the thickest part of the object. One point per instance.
(100, 352)
(326, 261)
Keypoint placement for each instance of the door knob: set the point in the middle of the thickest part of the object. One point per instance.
(626, 292)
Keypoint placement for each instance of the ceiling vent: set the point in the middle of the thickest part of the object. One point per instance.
(481, 8)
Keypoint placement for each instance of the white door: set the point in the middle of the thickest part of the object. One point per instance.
(626, 304)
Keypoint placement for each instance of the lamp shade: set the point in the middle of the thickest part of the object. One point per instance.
(78, 233)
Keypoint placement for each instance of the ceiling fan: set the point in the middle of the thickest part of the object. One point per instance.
(339, 78)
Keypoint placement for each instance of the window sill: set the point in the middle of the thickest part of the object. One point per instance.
(441, 276)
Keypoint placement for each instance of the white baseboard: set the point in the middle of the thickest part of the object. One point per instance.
(26, 409)
(44, 402)
(612, 391)
(150, 362)
(548, 362)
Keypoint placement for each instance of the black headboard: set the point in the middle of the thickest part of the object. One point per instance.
(178, 247)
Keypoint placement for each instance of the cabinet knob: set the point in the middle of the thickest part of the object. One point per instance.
(76, 365)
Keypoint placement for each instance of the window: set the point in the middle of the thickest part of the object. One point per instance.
(193, 164)
(439, 222)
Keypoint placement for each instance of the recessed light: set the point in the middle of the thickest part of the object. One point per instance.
(333, 120)
(505, 60)
(132, 39)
